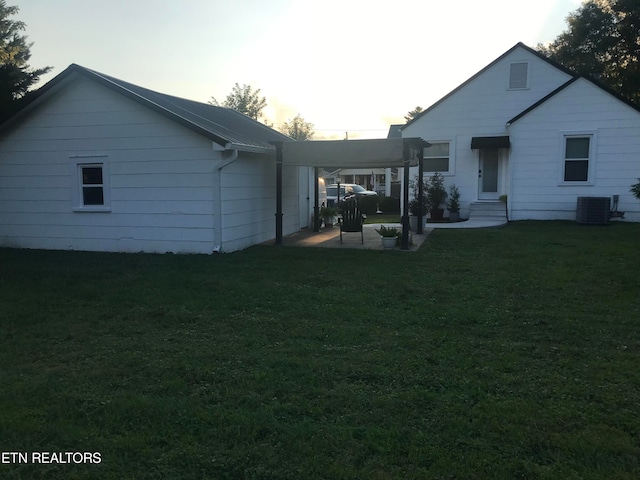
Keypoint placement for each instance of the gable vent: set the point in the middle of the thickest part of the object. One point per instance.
(518, 74)
(593, 210)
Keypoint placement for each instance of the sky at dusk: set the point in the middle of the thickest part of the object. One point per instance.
(344, 65)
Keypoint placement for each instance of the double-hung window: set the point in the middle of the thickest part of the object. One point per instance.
(578, 161)
(437, 158)
(92, 184)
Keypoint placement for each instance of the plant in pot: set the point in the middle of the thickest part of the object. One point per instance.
(414, 210)
(453, 205)
(436, 196)
(414, 205)
(389, 236)
(328, 214)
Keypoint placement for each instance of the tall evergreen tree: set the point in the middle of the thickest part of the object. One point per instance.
(413, 113)
(16, 76)
(602, 41)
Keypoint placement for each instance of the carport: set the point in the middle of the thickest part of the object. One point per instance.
(370, 153)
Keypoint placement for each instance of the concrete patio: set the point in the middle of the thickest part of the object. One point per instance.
(330, 237)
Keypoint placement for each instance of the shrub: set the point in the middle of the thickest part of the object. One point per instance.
(635, 189)
(389, 204)
(436, 193)
(453, 205)
(368, 204)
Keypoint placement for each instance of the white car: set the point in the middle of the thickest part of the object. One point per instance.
(347, 190)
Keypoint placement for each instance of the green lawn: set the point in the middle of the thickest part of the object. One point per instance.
(508, 353)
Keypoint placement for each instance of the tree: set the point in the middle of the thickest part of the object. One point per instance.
(16, 76)
(603, 42)
(298, 129)
(413, 114)
(245, 100)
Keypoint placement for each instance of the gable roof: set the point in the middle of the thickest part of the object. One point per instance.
(505, 54)
(395, 130)
(567, 84)
(225, 126)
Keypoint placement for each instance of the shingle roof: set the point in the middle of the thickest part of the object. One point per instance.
(395, 130)
(225, 126)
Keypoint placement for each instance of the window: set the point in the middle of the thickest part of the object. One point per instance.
(577, 156)
(92, 186)
(436, 158)
(92, 180)
(519, 76)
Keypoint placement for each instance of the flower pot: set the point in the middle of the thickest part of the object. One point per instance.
(437, 214)
(388, 242)
(329, 221)
(413, 223)
(454, 216)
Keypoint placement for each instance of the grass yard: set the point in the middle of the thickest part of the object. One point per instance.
(508, 353)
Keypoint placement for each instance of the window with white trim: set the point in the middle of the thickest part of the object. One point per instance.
(518, 76)
(92, 184)
(437, 158)
(577, 158)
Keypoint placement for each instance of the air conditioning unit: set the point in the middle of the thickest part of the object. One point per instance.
(593, 210)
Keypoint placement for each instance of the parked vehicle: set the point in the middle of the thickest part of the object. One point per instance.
(347, 190)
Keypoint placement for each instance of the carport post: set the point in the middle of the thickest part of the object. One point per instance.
(278, 193)
(406, 152)
(316, 200)
(421, 214)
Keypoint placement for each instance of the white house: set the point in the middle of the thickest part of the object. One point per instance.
(530, 129)
(95, 163)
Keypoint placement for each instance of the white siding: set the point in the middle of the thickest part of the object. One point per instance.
(248, 192)
(482, 107)
(161, 177)
(537, 153)
(170, 189)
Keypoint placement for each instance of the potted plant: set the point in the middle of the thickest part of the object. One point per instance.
(436, 196)
(389, 236)
(328, 214)
(414, 211)
(453, 205)
(414, 205)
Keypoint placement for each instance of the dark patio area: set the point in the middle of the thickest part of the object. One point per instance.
(330, 238)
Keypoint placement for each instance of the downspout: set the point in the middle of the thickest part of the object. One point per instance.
(227, 158)
(510, 164)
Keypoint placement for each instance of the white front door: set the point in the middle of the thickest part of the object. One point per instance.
(489, 175)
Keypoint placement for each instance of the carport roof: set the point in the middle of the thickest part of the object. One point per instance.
(369, 153)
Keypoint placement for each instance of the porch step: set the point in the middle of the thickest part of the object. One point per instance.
(493, 210)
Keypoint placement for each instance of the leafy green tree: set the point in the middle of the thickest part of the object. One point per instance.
(245, 100)
(603, 42)
(413, 114)
(16, 76)
(298, 129)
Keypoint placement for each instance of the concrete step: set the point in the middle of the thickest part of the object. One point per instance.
(487, 210)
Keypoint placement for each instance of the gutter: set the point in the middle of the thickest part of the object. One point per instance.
(228, 157)
(249, 148)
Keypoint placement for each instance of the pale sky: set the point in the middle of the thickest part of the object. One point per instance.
(352, 66)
